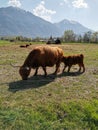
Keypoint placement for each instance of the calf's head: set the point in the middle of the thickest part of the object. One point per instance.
(24, 72)
(64, 59)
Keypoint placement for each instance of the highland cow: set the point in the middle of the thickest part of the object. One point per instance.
(41, 56)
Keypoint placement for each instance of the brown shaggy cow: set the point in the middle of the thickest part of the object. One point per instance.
(41, 56)
(73, 60)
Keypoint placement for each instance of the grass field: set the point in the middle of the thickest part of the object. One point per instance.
(68, 101)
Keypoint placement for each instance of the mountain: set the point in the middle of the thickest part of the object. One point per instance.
(15, 22)
(71, 25)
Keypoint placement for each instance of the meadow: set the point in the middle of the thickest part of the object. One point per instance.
(68, 101)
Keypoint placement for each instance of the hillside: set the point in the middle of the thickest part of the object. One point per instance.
(71, 25)
(16, 22)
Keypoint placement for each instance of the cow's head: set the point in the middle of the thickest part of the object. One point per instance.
(24, 72)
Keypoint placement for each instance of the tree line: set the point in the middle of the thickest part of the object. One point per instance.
(69, 37)
(88, 37)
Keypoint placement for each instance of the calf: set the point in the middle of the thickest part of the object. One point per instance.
(73, 60)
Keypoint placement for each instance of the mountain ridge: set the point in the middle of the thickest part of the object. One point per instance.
(15, 22)
(72, 25)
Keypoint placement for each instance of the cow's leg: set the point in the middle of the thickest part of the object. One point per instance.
(36, 71)
(44, 69)
(57, 68)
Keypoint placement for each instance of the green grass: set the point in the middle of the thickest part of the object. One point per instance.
(64, 102)
(3, 42)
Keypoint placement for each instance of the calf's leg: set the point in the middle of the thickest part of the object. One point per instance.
(69, 67)
(83, 67)
(79, 67)
(64, 68)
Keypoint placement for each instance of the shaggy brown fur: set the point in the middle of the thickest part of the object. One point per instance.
(41, 56)
(73, 60)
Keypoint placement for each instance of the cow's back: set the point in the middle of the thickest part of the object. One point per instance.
(44, 56)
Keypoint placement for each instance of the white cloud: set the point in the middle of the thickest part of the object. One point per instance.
(79, 4)
(61, 4)
(15, 3)
(43, 12)
(64, 2)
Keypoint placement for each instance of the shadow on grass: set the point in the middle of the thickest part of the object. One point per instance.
(32, 82)
(71, 74)
(38, 81)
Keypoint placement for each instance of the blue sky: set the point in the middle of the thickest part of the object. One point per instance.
(83, 11)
